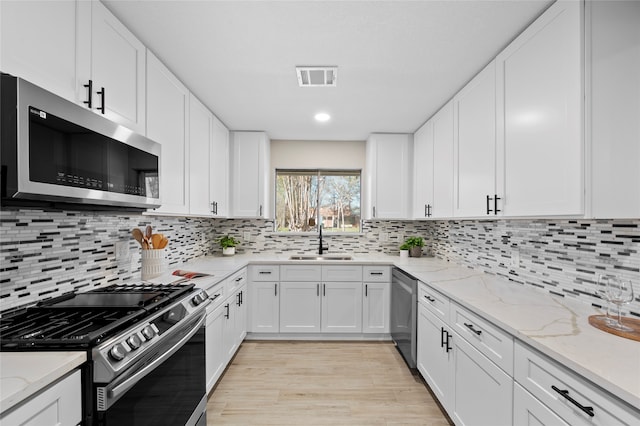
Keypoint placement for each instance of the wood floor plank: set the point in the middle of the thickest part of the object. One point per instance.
(321, 383)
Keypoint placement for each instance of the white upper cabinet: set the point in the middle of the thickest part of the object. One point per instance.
(219, 169)
(474, 149)
(423, 171)
(200, 138)
(113, 59)
(38, 43)
(443, 162)
(539, 117)
(613, 108)
(250, 174)
(433, 166)
(388, 183)
(167, 124)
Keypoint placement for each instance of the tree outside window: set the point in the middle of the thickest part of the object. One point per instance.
(305, 198)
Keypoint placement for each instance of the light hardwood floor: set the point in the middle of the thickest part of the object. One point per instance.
(321, 383)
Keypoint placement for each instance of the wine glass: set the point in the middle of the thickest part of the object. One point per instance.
(603, 292)
(620, 291)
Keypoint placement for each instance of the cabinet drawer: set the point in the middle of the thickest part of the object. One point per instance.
(300, 272)
(341, 273)
(217, 295)
(235, 281)
(494, 343)
(541, 377)
(529, 411)
(434, 301)
(264, 273)
(374, 274)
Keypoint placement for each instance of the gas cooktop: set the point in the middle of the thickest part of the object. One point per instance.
(83, 320)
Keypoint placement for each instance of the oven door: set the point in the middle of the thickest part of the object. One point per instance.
(167, 388)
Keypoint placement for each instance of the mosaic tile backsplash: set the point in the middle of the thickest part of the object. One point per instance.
(47, 253)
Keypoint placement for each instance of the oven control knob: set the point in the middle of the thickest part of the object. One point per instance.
(199, 298)
(117, 353)
(148, 332)
(134, 341)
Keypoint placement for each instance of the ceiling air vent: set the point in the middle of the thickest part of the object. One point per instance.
(317, 76)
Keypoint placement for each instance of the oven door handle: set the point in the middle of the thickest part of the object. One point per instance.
(118, 390)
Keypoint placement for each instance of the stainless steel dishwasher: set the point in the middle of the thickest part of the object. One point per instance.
(404, 299)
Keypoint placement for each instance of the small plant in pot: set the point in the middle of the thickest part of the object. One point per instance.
(404, 250)
(228, 244)
(415, 245)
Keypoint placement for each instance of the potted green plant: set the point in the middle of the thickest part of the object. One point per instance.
(404, 250)
(228, 244)
(415, 245)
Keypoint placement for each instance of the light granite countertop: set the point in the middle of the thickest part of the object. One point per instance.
(556, 326)
(22, 374)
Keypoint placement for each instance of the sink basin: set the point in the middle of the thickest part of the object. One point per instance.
(320, 257)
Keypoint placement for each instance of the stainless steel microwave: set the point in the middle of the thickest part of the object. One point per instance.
(55, 150)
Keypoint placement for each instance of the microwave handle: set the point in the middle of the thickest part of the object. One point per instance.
(118, 390)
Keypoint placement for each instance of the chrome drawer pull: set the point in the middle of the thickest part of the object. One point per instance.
(470, 327)
(565, 394)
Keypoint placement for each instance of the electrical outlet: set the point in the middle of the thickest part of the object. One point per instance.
(246, 235)
(515, 258)
(122, 250)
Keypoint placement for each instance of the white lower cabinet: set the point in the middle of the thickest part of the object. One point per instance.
(341, 307)
(214, 350)
(529, 411)
(470, 386)
(59, 404)
(481, 393)
(572, 398)
(312, 298)
(299, 307)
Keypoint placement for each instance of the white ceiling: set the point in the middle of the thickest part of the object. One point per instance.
(399, 61)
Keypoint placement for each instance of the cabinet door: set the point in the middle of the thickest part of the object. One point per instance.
(265, 307)
(389, 163)
(375, 307)
(474, 149)
(229, 336)
(38, 43)
(482, 392)
(167, 114)
(529, 411)
(341, 307)
(423, 171)
(613, 107)
(117, 64)
(200, 121)
(433, 357)
(59, 404)
(219, 170)
(240, 320)
(299, 307)
(443, 162)
(214, 349)
(540, 116)
(249, 169)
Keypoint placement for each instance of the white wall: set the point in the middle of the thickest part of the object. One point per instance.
(287, 154)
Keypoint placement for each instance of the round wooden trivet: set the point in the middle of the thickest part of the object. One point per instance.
(598, 321)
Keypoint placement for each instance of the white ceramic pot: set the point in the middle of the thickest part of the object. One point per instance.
(228, 251)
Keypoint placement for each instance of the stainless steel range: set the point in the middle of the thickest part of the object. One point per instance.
(144, 342)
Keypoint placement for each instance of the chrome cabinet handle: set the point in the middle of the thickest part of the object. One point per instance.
(275, 289)
(101, 93)
(366, 290)
(565, 394)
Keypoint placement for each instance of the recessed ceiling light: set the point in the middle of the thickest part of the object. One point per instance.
(322, 117)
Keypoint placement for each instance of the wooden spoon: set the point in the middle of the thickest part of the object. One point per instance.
(137, 235)
(163, 242)
(156, 239)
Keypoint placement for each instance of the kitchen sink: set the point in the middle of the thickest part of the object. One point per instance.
(320, 257)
